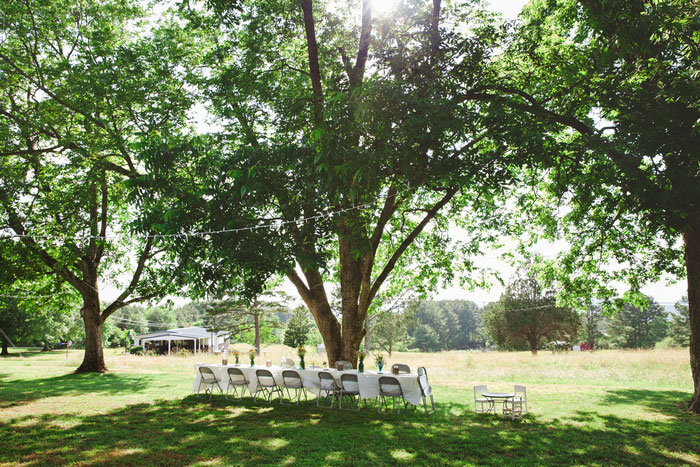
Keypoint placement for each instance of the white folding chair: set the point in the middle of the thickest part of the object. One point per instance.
(401, 368)
(328, 386)
(292, 380)
(209, 380)
(425, 389)
(390, 387)
(349, 387)
(236, 378)
(266, 385)
(517, 407)
(479, 400)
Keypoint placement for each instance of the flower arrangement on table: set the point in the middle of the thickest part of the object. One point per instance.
(301, 351)
(236, 355)
(361, 357)
(251, 354)
(379, 360)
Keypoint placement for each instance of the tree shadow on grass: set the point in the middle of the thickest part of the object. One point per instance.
(658, 401)
(220, 432)
(14, 392)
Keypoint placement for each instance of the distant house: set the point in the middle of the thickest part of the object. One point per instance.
(194, 339)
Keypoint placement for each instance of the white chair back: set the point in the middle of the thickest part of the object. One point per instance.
(390, 386)
(292, 379)
(423, 382)
(327, 381)
(236, 376)
(479, 390)
(349, 383)
(265, 378)
(207, 374)
(287, 363)
(346, 365)
(521, 395)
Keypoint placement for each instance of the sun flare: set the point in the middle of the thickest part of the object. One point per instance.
(384, 7)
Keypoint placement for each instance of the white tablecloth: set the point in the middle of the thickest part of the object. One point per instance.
(368, 381)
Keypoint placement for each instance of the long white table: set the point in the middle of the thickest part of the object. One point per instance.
(368, 381)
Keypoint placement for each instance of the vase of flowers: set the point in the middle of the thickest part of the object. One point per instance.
(301, 351)
(361, 365)
(236, 356)
(224, 358)
(379, 360)
(251, 354)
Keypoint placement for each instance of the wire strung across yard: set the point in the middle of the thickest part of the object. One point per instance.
(270, 225)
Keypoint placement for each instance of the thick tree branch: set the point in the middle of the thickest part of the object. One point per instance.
(314, 68)
(405, 244)
(301, 287)
(16, 224)
(358, 71)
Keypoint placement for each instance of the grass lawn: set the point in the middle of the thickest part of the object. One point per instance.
(601, 408)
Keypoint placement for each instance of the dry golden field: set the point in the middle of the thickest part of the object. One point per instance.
(663, 369)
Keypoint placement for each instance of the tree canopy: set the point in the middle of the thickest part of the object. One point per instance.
(81, 85)
(527, 315)
(603, 95)
(347, 147)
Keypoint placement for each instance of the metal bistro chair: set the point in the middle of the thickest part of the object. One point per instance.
(328, 386)
(209, 380)
(390, 387)
(518, 406)
(479, 400)
(292, 380)
(346, 365)
(266, 385)
(349, 387)
(236, 378)
(425, 389)
(401, 368)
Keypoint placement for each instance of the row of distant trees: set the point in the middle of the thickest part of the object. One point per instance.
(526, 317)
(418, 325)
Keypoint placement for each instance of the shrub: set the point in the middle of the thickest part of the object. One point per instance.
(136, 350)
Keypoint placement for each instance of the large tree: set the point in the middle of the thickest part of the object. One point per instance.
(637, 325)
(81, 84)
(344, 148)
(604, 94)
(527, 313)
(240, 317)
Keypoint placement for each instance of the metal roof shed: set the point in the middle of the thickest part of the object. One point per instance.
(198, 335)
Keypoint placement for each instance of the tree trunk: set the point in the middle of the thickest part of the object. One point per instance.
(367, 335)
(330, 331)
(257, 334)
(4, 348)
(691, 239)
(93, 359)
(532, 341)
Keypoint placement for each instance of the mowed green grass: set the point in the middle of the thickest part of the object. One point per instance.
(601, 408)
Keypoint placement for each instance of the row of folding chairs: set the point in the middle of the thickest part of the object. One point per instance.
(348, 390)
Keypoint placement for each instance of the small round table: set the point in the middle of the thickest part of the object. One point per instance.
(494, 397)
